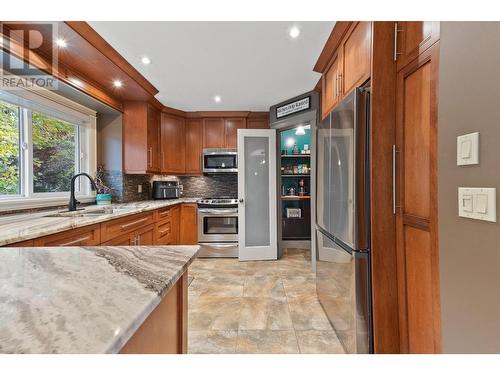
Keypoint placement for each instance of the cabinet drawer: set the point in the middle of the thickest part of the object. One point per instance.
(85, 236)
(114, 228)
(164, 233)
(164, 214)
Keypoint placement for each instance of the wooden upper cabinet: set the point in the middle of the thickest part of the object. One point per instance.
(349, 67)
(141, 149)
(231, 126)
(173, 144)
(413, 38)
(213, 133)
(154, 159)
(194, 146)
(356, 54)
(257, 123)
(330, 86)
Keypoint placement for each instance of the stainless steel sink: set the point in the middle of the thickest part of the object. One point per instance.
(91, 212)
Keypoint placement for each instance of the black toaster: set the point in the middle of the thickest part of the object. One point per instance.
(166, 190)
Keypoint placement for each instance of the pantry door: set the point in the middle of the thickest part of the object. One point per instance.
(257, 232)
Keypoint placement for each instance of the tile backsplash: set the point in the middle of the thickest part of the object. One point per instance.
(125, 186)
(207, 186)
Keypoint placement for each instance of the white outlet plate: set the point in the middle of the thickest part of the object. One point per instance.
(139, 188)
(468, 149)
(477, 203)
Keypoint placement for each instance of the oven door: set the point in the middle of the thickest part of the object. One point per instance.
(220, 162)
(217, 225)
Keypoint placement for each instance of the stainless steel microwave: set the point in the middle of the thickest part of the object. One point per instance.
(217, 160)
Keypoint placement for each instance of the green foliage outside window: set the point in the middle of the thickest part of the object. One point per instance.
(54, 151)
(9, 149)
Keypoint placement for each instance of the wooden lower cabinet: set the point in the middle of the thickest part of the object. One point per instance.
(165, 329)
(27, 243)
(175, 214)
(416, 217)
(84, 236)
(188, 232)
(160, 227)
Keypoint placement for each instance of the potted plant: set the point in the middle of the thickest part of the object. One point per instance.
(103, 196)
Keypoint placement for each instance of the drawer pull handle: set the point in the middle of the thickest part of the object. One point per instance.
(125, 226)
(162, 232)
(76, 241)
(165, 213)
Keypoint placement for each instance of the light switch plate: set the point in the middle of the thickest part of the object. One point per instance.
(477, 203)
(468, 149)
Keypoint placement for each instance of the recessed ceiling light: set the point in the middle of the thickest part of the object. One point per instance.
(217, 98)
(117, 83)
(146, 60)
(294, 32)
(61, 42)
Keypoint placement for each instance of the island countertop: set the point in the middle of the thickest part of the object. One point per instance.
(82, 299)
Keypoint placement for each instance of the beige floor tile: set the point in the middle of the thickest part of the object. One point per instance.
(214, 313)
(212, 342)
(264, 314)
(299, 286)
(307, 314)
(257, 307)
(267, 342)
(319, 342)
(264, 286)
(262, 268)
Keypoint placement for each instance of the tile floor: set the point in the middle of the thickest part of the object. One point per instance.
(257, 307)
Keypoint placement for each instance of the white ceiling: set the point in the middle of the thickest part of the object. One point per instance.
(251, 65)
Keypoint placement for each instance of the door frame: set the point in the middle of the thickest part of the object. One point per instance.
(258, 252)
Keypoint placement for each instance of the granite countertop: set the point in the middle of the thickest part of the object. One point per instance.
(21, 227)
(82, 299)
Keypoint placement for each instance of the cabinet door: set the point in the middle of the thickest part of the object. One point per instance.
(213, 133)
(173, 144)
(85, 236)
(416, 197)
(188, 224)
(163, 233)
(194, 145)
(145, 236)
(257, 123)
(175, 220)
(153, 139)
(356, 54)
(413, 38)
(231, 126)
(330, 93)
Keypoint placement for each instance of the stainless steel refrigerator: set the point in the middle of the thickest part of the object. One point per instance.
(343, 221)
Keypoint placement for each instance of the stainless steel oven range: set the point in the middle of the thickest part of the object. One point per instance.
(218, 227)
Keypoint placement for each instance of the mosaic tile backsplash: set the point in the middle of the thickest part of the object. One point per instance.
(210, 186)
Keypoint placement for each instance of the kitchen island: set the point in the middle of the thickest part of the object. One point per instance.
(102, 299)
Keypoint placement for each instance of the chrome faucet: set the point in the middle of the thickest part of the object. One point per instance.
(72, 200)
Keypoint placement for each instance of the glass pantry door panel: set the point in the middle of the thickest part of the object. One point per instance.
(257, 237)
(257, 231)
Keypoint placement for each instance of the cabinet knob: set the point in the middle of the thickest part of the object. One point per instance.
(241, 200)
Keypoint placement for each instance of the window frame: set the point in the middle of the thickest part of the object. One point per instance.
(54, 105)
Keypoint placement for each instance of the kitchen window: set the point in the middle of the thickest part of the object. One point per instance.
(44, 140)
